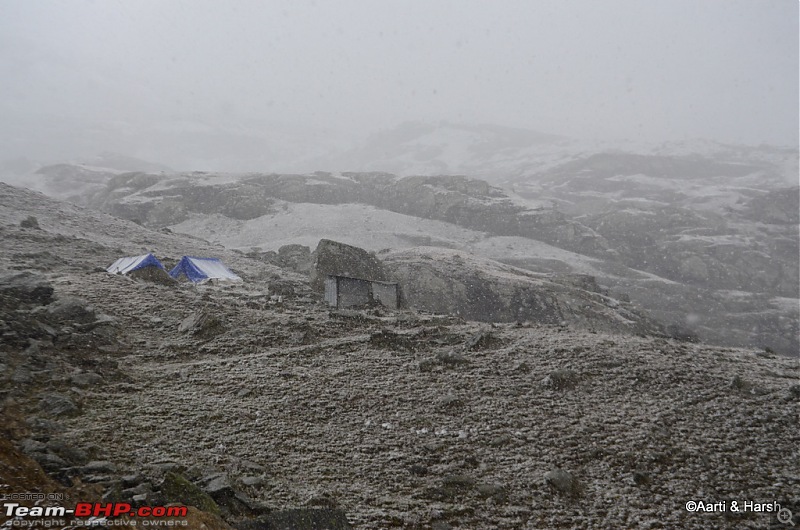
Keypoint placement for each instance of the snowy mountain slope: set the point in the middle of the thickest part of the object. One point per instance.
(373, 229)
(661, 222)
(504, 155)
(674, 259)
(398, 418)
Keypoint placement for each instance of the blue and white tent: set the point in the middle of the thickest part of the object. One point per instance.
(203, 269)
(135, 263)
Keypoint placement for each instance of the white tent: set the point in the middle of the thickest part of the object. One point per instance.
(133, 263)
(200, 270)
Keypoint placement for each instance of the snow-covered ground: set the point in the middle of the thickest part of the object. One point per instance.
(373, 229)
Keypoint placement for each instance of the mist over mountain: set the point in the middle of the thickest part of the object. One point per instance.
(704, 236)
(444, 264)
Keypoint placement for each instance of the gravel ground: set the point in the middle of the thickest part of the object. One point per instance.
(414, 420)
(395, 421)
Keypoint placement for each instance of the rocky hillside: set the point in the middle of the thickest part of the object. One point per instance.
(707, 245)
(504, 154)
(704, 236)
(452, 282)
(260, 409)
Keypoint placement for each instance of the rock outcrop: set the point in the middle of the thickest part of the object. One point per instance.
(401, 419)
(333, 258)
(451, 282)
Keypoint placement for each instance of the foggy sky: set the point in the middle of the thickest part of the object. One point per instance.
(130, 75)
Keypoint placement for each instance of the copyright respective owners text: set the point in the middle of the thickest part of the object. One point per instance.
(782, 513)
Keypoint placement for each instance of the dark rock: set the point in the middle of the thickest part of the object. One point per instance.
(522, 368)
(562, 481)
(144, 488)
(73, 455)
(166, 467)
(86, 379)
(500, 441)
(129, 481)
(216, 484)
(99, 466)
(42, 425)
(233, 502)
(101, 320)
(450, 401)
(682, 333)
(26, 287)
(49, 331)
(452, 486)
(295, 257)
(175, 488)
(30, 222)
(55, 404)
(480, 340)
(641, 478)
(451, 358)
(458, 481)
(562, 379)
(427, 365)
(418, 469)
(22, 375)
(71, 309)
(113, 493)
(324, 500)
(106, 480)
(494, 491)
(252, 481)
(338, 259)
(49, 461)
(474, 288)
(29, 446)
(389, 339)
(202, 324)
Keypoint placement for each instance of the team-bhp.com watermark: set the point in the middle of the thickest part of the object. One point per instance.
(91, 514)
(784, 515)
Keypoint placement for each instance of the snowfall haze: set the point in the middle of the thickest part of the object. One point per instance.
(512, 264)
(205, 85)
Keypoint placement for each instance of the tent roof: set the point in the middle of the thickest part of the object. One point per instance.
(132, 263)
(201, 269)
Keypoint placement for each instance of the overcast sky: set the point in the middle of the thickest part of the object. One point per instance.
(114, 74)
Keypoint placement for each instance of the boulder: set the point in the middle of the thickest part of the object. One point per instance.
(295, 257)
(71, 309)
(562, 481)
(99, 466)
(202, 324)
(230, 500)
(86, 379)
(50, 462)
(30, 222)
(453, 282)
(56, 405)
(25, 287)
(75, 456)
(176, 488)
(338, 259)
(562, 379)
